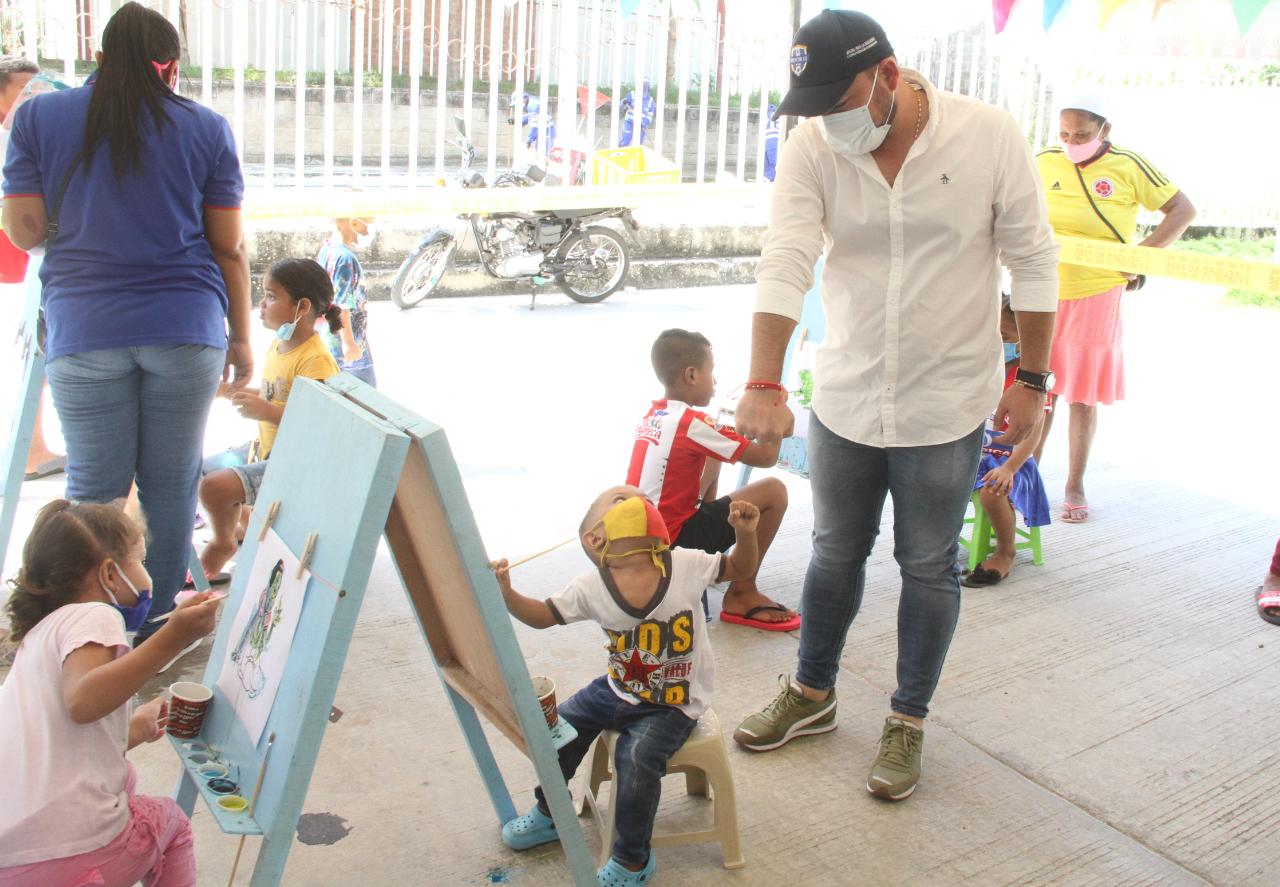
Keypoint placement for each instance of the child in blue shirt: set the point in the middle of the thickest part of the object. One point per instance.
(350, 345)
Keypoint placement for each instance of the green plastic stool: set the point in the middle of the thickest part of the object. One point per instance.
(982, 538)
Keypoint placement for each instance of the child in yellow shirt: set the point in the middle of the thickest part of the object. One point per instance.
(297, 293)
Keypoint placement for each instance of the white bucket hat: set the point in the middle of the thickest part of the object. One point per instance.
(1083, 98)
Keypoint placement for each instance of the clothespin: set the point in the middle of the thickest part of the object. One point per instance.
(307, 551)
(269, 520)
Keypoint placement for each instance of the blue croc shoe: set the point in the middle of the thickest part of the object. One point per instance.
(530, 830)
(614, 874)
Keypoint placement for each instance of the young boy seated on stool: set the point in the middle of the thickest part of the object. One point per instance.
(676, 462)
(646, 596)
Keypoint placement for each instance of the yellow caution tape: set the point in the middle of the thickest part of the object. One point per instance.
(1245, 274)
(266, 205)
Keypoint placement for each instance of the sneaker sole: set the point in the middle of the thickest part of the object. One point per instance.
(884, 795)
(798, 729)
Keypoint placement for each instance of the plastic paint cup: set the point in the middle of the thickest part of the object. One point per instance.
(546, 690)
(220, 785)
(233, 804)
(212, 771)
(188, 704)
(199, 759)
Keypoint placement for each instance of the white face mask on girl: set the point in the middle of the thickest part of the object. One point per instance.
(854, 132)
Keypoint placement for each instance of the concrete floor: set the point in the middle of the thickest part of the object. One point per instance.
(1105, 719)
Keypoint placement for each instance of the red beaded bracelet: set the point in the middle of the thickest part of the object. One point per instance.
(765, 386)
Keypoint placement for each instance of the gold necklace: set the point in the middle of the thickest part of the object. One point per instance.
(919, 114)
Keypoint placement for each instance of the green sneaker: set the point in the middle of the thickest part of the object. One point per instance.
(897, 768)
(788, 716)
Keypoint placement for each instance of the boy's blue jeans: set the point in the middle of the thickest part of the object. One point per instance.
(930, 486)
(139, 413)
(650, 735)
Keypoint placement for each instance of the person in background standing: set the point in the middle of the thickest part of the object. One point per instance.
(1094, 190)
(350, 347)
(20, 80)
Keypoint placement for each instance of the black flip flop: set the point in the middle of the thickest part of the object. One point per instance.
(982, 577)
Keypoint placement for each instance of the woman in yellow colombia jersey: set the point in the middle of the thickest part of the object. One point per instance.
(1094, 189)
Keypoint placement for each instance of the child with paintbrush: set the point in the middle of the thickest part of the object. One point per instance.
(661, 671)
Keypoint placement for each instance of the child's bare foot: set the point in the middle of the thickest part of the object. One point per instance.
(741, 597)
(215, 556)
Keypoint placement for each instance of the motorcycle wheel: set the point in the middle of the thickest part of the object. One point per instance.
(423, 269)
(597, 261)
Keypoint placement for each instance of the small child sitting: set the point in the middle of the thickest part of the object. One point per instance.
(1008, 480)
(661, 671)
(70, 813)
(349, 344)
(676, 462)
(296, 294)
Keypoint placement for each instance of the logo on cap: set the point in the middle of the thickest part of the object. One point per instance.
(799, 58)
(861, 47)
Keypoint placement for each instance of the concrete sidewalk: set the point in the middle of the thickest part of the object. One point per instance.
(1105, 719)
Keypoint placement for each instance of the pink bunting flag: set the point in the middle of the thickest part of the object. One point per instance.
(1000, 10)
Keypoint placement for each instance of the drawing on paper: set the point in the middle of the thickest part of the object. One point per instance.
(262, 633)
(256, 636)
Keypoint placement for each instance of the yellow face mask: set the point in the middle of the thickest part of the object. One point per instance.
(632, 519)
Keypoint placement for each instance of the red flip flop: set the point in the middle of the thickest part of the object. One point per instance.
(1268, 603)
(1074, 514)
(746, 619)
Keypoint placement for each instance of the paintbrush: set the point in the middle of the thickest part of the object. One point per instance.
(217, 596)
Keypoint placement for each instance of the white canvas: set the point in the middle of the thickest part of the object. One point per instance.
(262, 634)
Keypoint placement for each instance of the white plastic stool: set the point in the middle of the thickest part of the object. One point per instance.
(705, 765)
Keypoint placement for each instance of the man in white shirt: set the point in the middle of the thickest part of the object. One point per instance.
(917, 196)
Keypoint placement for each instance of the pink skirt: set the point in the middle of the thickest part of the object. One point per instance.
(1087, 358)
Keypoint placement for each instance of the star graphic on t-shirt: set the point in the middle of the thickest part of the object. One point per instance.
(637, 670)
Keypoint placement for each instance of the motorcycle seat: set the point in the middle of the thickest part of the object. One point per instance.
(576, 213)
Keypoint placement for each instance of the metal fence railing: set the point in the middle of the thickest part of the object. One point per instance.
(329, 92)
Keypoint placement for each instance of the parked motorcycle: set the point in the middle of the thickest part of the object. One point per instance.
(589, 262)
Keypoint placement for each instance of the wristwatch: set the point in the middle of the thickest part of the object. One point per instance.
(1038, 381)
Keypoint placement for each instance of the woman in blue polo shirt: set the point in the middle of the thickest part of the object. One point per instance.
(146, 279)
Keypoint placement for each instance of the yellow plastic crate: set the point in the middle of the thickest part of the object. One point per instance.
(636, 165)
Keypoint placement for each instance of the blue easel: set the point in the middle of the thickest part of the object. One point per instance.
(398, 478)
(24, 415)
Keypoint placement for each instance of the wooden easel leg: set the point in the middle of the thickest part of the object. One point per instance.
(185, 793)
(272, 855)
(499, 796)
(197, 571)
(19, 443)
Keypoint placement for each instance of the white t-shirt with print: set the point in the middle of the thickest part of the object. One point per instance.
(64, 782)
(660, 654)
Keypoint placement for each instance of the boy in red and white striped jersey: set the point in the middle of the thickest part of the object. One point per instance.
(676, 462)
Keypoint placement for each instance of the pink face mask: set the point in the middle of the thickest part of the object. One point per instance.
(1081, 153)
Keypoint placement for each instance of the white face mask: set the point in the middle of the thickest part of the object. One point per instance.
(854, 132)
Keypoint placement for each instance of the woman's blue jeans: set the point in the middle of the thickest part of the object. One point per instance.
(930, 486)
(139, 414)
(650, 735)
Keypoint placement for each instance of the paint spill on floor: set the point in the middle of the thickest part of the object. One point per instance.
(321, 828)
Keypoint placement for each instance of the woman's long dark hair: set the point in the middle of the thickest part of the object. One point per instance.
(128, 84)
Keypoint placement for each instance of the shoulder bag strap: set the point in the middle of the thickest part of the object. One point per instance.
(51, 226)
(1138, 282)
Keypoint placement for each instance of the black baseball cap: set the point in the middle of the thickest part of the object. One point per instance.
(828, 52)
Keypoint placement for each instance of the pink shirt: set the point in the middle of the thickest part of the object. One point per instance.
(65, 782)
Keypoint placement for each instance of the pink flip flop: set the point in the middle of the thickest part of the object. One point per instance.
(747, 619)
(1074, 514)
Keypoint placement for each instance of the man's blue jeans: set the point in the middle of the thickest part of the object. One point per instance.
(650, 735)
(930, 487)
(139, 413)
